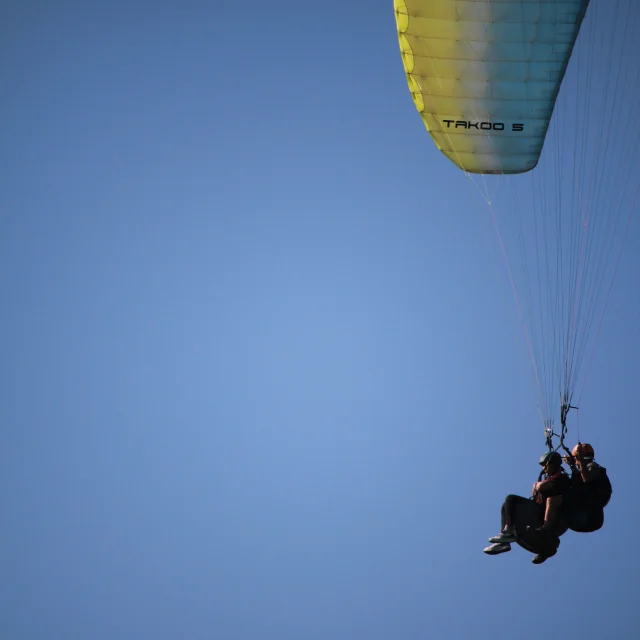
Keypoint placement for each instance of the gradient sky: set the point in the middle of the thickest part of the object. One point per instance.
(262, 375)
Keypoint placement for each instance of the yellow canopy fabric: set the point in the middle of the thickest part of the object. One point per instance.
(485, 74)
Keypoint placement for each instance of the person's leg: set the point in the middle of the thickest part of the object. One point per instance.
(507, 532)
(549, 541)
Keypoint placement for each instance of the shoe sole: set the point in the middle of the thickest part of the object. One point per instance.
(496, 553)
(503, 540)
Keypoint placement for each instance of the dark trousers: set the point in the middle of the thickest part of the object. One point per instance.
(510, 504)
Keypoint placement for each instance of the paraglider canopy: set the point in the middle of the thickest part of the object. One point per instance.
(485, 75)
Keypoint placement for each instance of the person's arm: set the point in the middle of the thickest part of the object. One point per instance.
(588, 472)
(571, 461)
(553, 486)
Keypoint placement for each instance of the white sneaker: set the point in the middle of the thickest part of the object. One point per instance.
(504, 536)
(495, 549)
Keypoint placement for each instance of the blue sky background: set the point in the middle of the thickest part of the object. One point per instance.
(262, 375)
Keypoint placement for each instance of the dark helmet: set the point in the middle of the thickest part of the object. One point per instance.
(550, 457)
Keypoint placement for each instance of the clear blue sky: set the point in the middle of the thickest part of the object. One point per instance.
(262, 375)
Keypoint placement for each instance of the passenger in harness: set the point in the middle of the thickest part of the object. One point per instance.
(521, 517)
